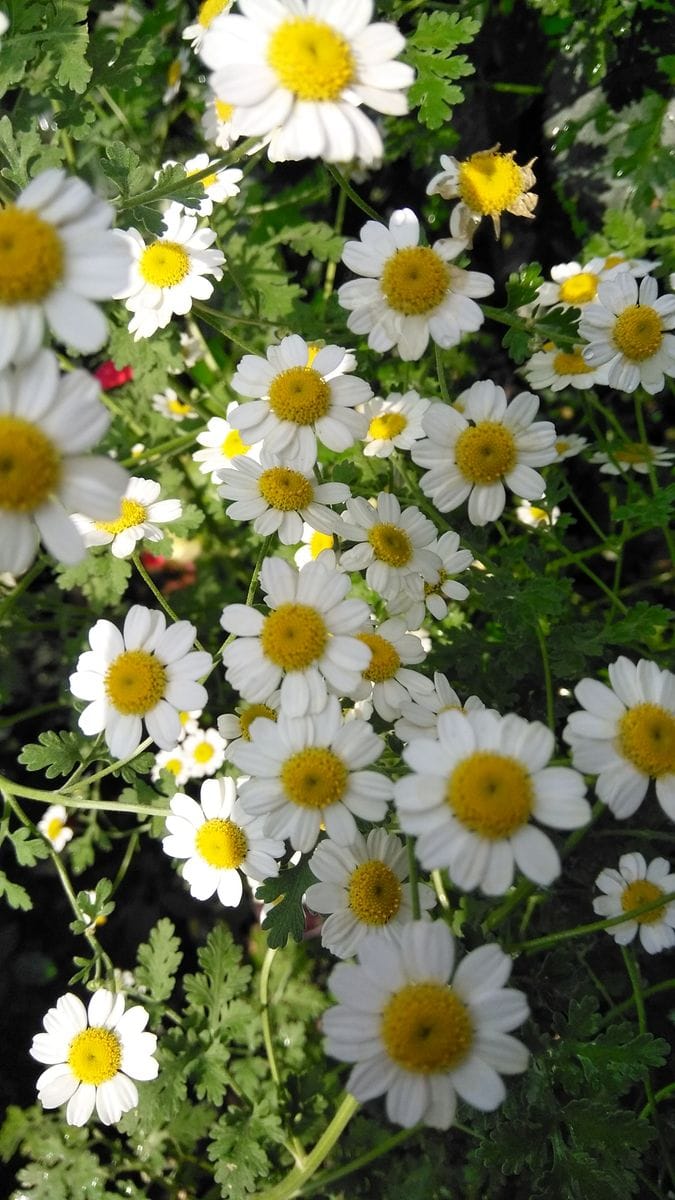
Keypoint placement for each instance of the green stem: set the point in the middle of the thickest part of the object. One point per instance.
(293, 1183)
(413, 878)
(548, 682)
(382, 1148)
(439, 888)
(182, 442)
(662, 1094)
(161, 599)
(440, 372)
(619, 1009)
(117, 765)
(353, 195)
(295, 1148)
(650, 1107)
(176, 190)
(331, 267)
(564, 935)
(22, 586)
(44, 797)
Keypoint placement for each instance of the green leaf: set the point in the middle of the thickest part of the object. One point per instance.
(221, 979)
(286, 917)
(25, 154)
(95, 906)
(430, 52)
(15, 895)
(100, 577)
(238, 1149)
(313, 237)
(26, 848)
(158, 961)
(53, 753)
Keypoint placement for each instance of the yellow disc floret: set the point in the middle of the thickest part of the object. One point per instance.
(300, 395)
(314, 778)
(647, 739)
(638, 332)
(320, 542)
(415, 280)
(385, 660)
(31, 257)
(579, 289)
(95, 1055)
(491, 794)
(248, 716)
(233, 444)
(643, 891)
(224, 111)
(203, 752)
(30, 465)
(164, 264)
(131, 514)
(135, 682)
(285, 489)
(311, 59)
(294, 636)
(54, 828)
(485, 452)
(387, 425)
(633, 452)
(426, 1028)
(391, 544)
(489, 182)
(570, 364)
(209, 10)
(374, 893)
(222, 844)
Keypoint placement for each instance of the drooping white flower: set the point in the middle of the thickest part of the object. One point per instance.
(394, 423)
(420, 717)
(221, 184)
(387, 680)
(557, 369)
(94, 1054)
(634, 884)
(488, 184)
(280, 495)
(631, 456)
(567, 445)
(139, 511)
(217, 122)
(537, 518)
(53, 825)
(435, 596)
(393, 546)
(234, 727)
(628, 331)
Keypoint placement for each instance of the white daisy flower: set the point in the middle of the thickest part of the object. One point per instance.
(421, 1034)
(631, 456)
(410, 292)
(304, 643)
(234, 727)
(173, 761)
(279, 495)
(218, 124)
(189, 722)
(574, 285)
(204, 752)
(473, 793)
(567, 445)
(557, 369)
(59, 256)
(222, 442)
(222, 184)
(362, 888)
(420, 717)
(635, 884)
(436, 595)
(387, 681)
(394, 423)
(206, 15)
(488, 184)
(94, 1053)
(301, 71)
(139, 511)
(625, 734)
(170, 273)
(300, 397)
(537, 518)
(170, 405)
(393, 546)
(313, 544)
(174, 76)
(308, 771)
(219, 839)
(147, 673)
(473, 453)
(628, 333)
(54, 826)
(48, 423)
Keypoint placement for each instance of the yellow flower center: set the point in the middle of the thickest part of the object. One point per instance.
(637, 332)
(319, 542)
(135, 682)
(54, 827)
(485, 452)
(311, 59)
(249, 715)
(30, 465)
(385, 660)
(209, 10)
(539, 515)
(314, 778)
(174, 72)
(294, 636)
(131, 513)
(31, 257)
(579, 289)
(390, 544)
(633, 452)
(387, 425)
(224, 110)
(374, 893)
(613, 261)
(300, 395)
(285, 489)
(647, 739)
(489, 182)
(426, 1028)
(570, 364)
(180, 408)
(436, 589)
(415, 280)
(174, 765)
(164, 264)
(222, 844)
(95, 1055)
(203, 752)
(233, 444)
(491, 794)
(643, 891)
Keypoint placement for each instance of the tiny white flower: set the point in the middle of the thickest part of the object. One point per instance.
(217, 122)
(567, 445)
(628, 331)
(53, 825)
(140, 509)
(393, 546)
(313, 544)
(174, 761)
(222, 442)
(235, 727)
(574, 285)
(435, 596)
(631, 456)
(394, 423)
(634, 884)
(280, 494)
(537, 518)
(174, 76)
(169, 404)
(220, 185)
(204, 752)
(557, 369)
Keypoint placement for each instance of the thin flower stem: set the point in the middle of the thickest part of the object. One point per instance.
(413, 878)
(252, 587)
(120, 762)
(564, 935)
(294, 1147)
(292, 1185)
(602, 537)
(353, 195)
(619, 1009)
(439, 888)
(183, 442)
(390, 1143)
(548, 682)
(132, 846)
(331, 267)
(650, 1107)
(22, 586)
(161, 599)
(662, 1094)
(440, 372)
(57, 797)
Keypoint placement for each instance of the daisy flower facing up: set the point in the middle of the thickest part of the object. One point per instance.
(300, 397)
(313, 544)
(94, 1053)
(305, 642)
(169, 404)
(222, 442)
(53, 826)
(633, 885)
(421, 1033)
(473, 453)
(632, 456)
(219, 840)
(204, 752)
(625, 734)
(170, 273)
(574, 285)
(628, 334)
(488, 184)
(279, 495)
(474, 792)
(48, 422)
(557, 369)
(173, 761)
(393, 545)
(567, 445)
(221, 184)
(206, 15)
(537, 518)
(420, 719)
(387, 680)
(436, 595)
(410, 292)
(394, 423)
(139, 510)
(308, 771)
(235, 727)
(146, 673)
(59, 255)
(362, 888)
(301, 71)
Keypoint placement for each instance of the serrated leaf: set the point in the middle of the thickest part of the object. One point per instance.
(54, 753)
(238, 1149)
(313, 237)
(100, 577)
(430, 52)
(27, 849)
(222, 977)
(15, 895)
(286, 917)
(158, 960)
